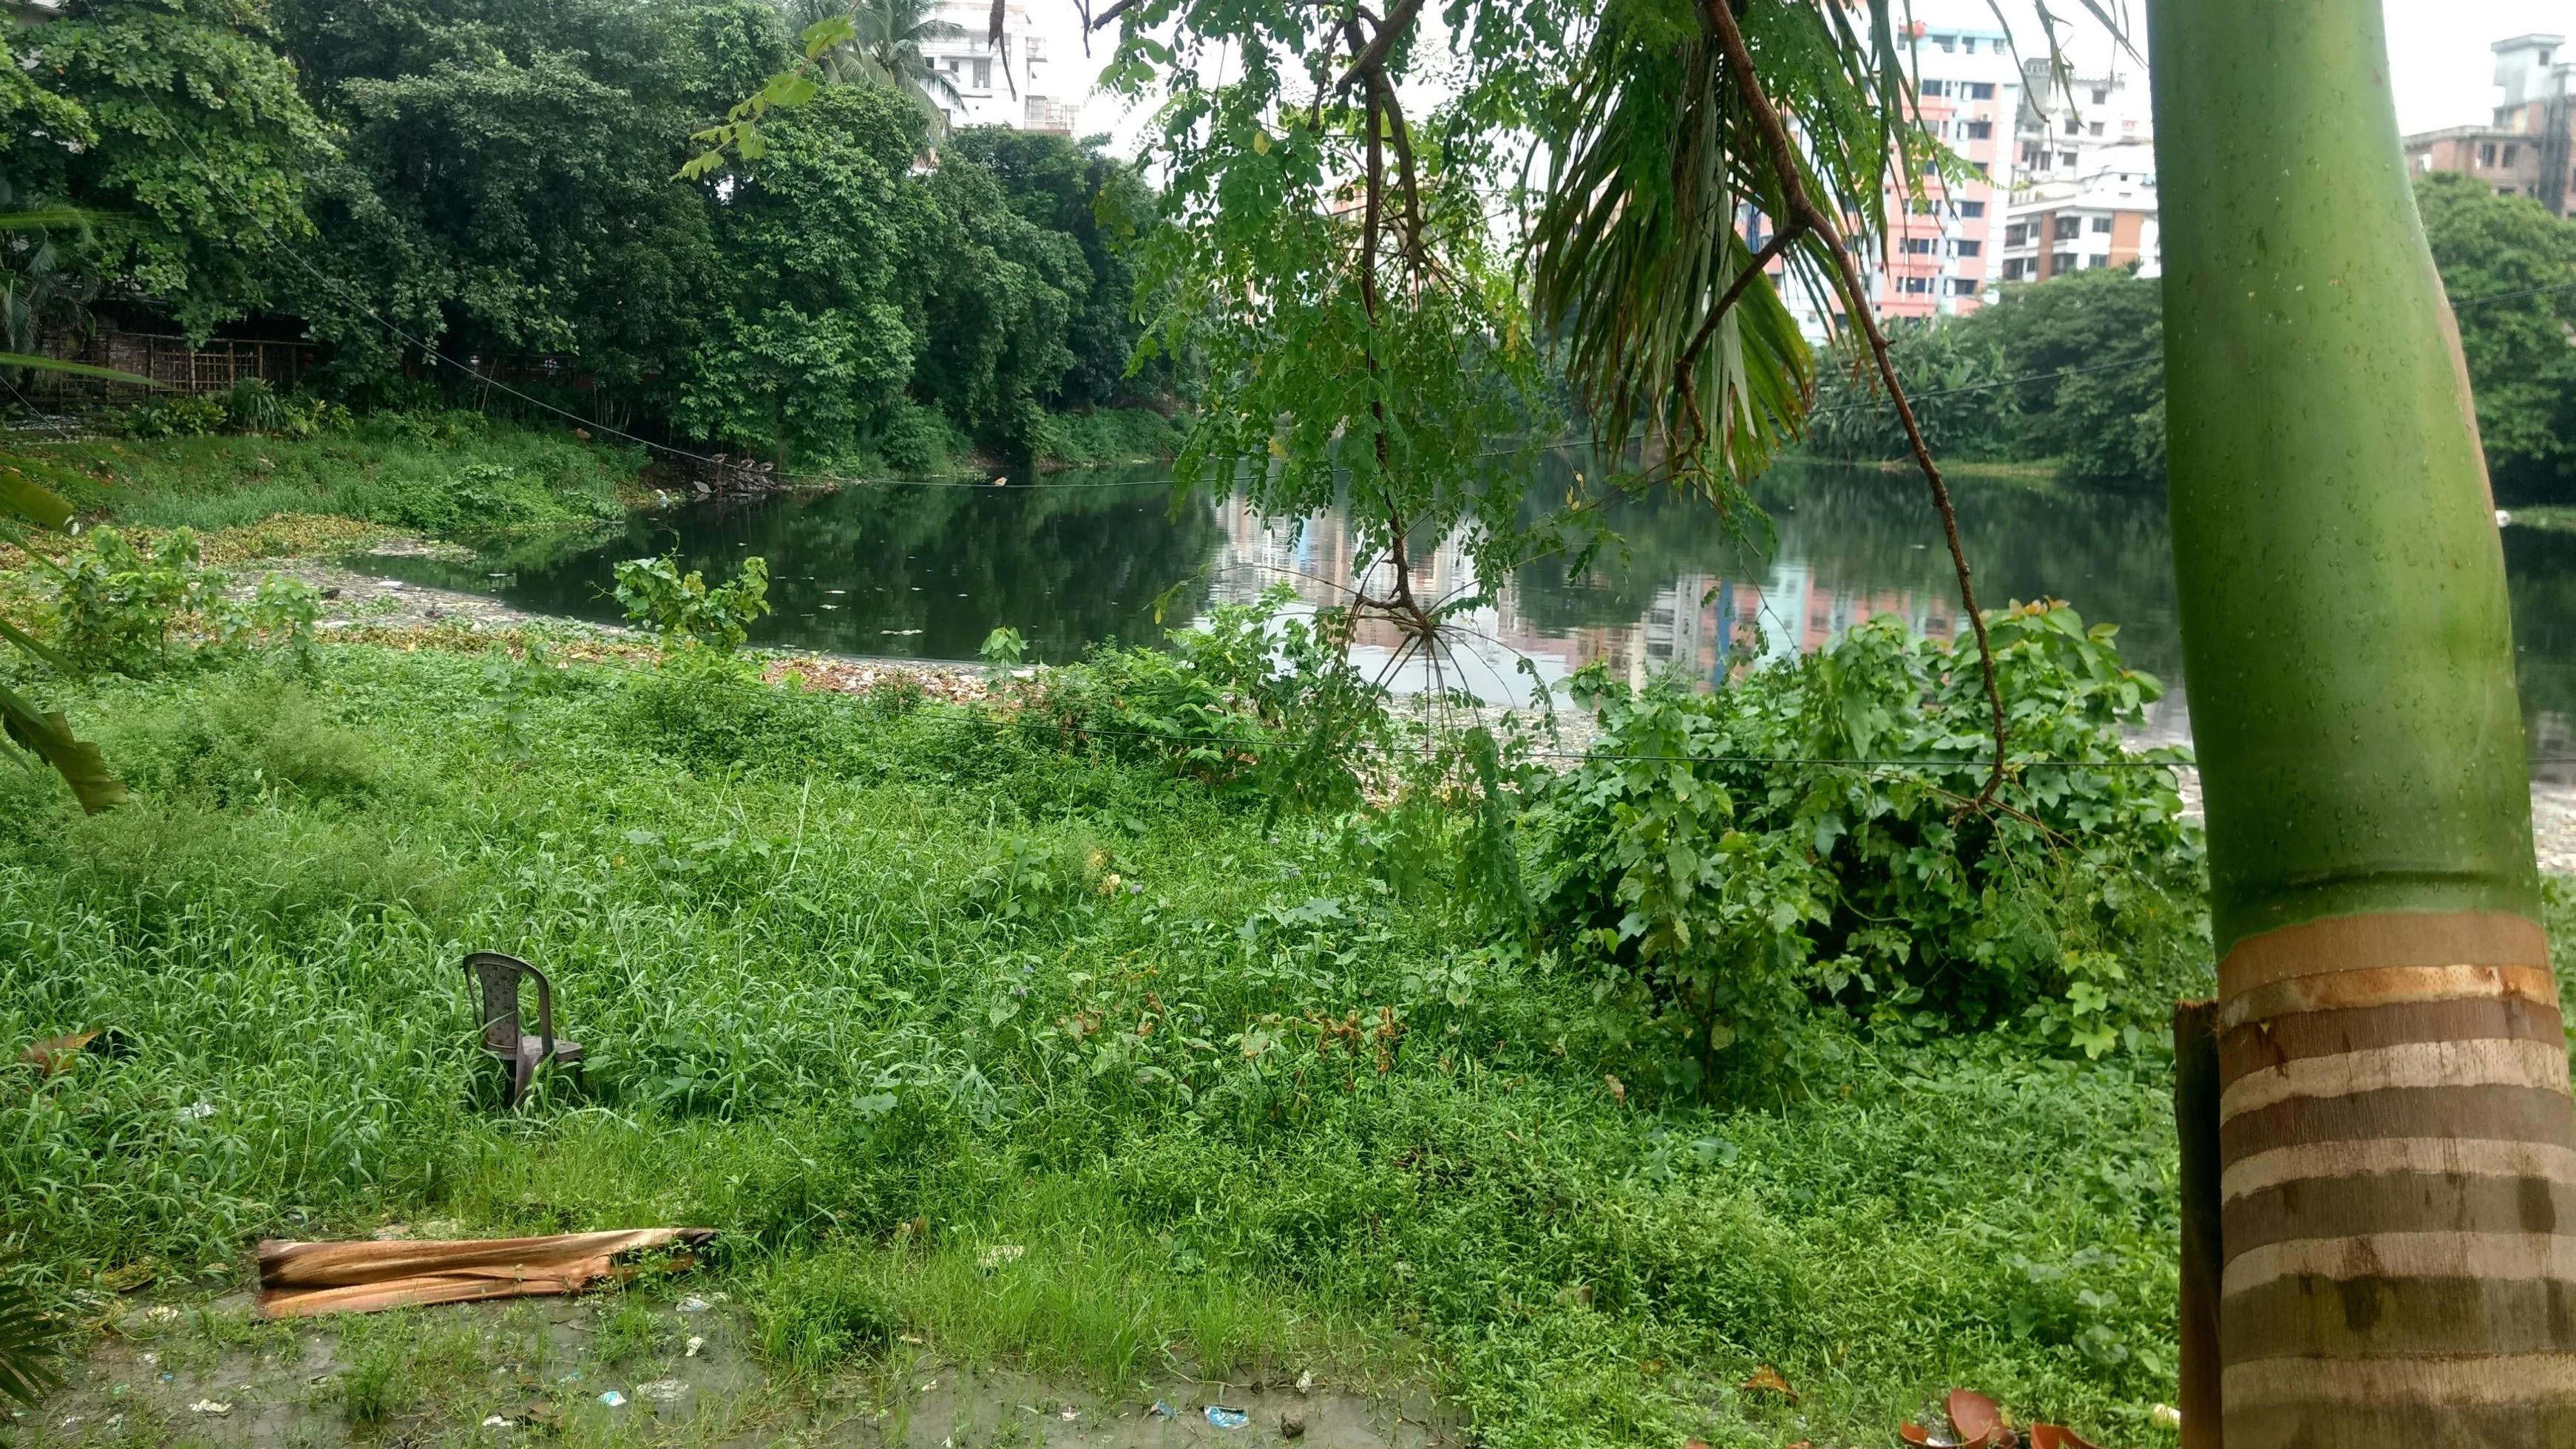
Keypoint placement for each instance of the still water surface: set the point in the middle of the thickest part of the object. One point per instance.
(1082, 558)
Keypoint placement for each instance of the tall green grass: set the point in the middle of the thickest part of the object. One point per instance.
(437, 473)
(876, 993)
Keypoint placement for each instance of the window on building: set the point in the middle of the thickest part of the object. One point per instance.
(1981, 168)
(2486, 154)
(1914, 284)
(1966, 248)
(2510, 152)
(1977, 130)
(1946, 42)
(2068, 228)
(2016, 232)
(2060, 263)
(2066, 159)
(1972, 208)
(2101, 226)
(1981, 90)
(983, 75)
(2074, 127)
(2095, 261)
(2095, 129)
(1963, 286)
(1914, 245)
(2101, 95)
(1922, 206)
(1933, 88)
(2016, 268)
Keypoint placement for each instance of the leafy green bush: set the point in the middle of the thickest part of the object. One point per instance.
(183, 416)
(917, 440)
(1252, 698)
(255, 408)
(683, 611)
(1106, 435)
(481, 495)
(116, 607)
(1003, 647)
(1717, 868)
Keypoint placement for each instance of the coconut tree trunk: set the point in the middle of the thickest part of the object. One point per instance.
(2397, 1153)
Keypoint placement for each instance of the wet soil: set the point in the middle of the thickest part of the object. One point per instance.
(628, 1369)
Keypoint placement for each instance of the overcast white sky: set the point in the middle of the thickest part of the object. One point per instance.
(2438, 57)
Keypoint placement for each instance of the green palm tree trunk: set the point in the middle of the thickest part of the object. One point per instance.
(2397, 1151)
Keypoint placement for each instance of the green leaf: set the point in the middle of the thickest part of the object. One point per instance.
(28, 499)
(29, 1344)
(49, 737)
(830, 31)
(34, 645)
(72, 369)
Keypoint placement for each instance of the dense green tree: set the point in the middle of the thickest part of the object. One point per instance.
(2521, 358)
(816, 335)
(1072, 187)
(181, 119)
(2089, 343)
(1002, 290)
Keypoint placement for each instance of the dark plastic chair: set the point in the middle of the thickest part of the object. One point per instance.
(496, 979)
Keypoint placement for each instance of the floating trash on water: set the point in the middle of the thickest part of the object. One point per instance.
(1000, 1255)
(613, 1399)
(662, 1391)
(693, 1304)
(209, 1406)
(495, 1421)
(696, 1342)
(1224, 1418)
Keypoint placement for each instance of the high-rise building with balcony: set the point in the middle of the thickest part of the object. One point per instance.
(1019, 84)
(2084, 176)
(1940, 254)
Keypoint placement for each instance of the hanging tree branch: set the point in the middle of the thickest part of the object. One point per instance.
(1803, 213)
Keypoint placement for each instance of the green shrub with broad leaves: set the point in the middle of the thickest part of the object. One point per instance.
(683, 611)
(1808, 835)
(1253, 698)
(119, 608)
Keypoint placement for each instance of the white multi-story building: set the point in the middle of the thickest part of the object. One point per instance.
(2084, 177)
(1943, 231)
(1021, 84)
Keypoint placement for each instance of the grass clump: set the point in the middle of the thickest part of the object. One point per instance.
(882, 993)
(440, 473)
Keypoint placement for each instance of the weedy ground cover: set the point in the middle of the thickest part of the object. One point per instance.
(876, 991)
(437, 473)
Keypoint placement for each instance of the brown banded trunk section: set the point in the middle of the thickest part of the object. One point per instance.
(2196, 1068)
(2397, 1186)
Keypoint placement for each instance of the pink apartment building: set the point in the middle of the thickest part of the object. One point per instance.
(1943, 243)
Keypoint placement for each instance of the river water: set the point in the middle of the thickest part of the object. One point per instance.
(925, 572)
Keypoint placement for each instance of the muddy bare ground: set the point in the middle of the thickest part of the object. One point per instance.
(536, 1370)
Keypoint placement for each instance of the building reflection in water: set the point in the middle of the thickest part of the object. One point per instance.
(1704, 624)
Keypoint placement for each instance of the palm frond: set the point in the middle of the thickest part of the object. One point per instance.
(30, 1344)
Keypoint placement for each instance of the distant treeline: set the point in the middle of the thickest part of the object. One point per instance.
(2070, 370)
(496, 179)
